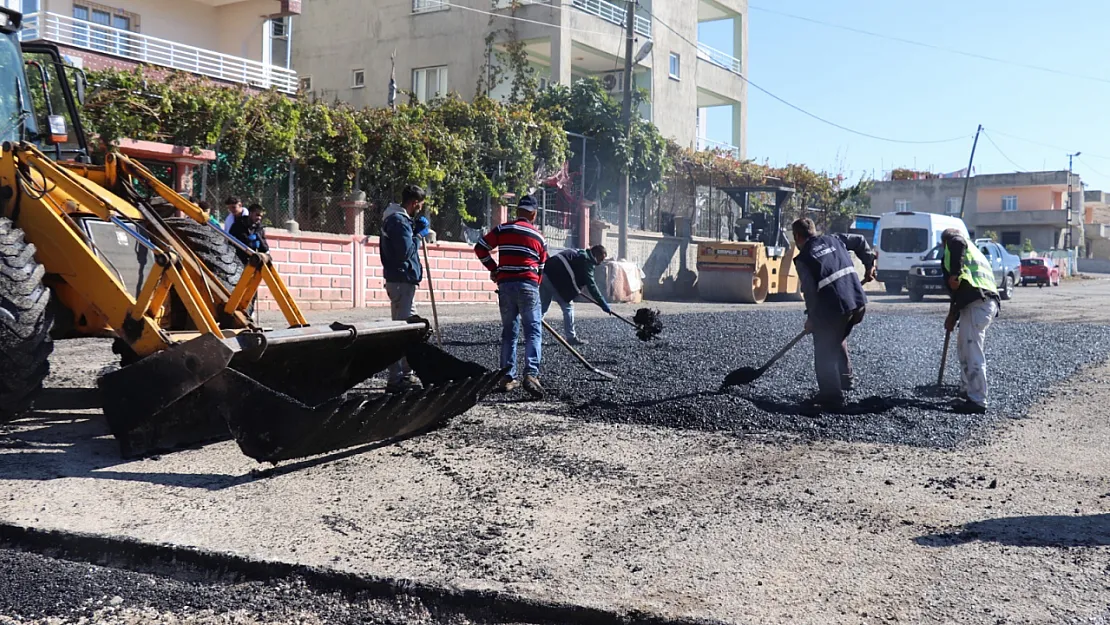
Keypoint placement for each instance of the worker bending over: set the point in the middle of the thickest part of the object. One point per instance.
(564, 277)
(975, 303)
(835, 302)
(518, 271)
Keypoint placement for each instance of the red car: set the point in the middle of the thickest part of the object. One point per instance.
(1040, 271)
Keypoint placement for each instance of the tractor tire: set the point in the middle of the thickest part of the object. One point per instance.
(25, 321)
(215, 252)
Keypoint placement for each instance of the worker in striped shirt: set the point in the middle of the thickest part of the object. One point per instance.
(518, 271)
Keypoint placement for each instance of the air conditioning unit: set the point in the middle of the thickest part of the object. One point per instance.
(613, 81)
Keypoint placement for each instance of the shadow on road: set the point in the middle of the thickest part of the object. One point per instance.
(1029, 531)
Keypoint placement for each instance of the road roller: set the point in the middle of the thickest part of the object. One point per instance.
(760, 263)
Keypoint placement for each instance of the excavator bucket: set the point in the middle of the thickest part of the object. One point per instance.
(288, 394)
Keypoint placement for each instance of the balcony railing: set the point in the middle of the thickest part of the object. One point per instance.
(716, 146)
(152, 50)
(613, 14)
(716, 57)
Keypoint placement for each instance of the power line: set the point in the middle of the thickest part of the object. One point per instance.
(1043, 144)
(931, 46)
(1019, 167)
(1092, 169)
(805, 112)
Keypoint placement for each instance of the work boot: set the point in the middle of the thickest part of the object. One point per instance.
(574, 340)
(533, 387)
(827, 400)
(968, 407)
(507, 385)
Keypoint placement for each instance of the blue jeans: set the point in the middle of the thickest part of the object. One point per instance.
(547, 293)
(520, 300)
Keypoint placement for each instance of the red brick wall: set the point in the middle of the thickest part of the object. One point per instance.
(324, 271)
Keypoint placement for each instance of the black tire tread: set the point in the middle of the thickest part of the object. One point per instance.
(25, 322)
(212, 249)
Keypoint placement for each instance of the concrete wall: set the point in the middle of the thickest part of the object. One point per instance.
(669, 263)
(1094, 265)
(329, 271)
(334, 37)
(235, 28)
(1028, 198)
(926, 196)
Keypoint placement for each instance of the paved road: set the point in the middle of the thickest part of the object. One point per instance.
(516, 497)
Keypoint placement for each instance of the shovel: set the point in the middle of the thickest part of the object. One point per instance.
(432, 292)
(944, 358)
(747, 375)
(580, 357)
(642, 331)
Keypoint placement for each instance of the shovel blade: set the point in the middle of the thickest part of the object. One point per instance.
(741, 376)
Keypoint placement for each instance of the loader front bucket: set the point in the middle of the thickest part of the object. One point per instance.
(287, 394)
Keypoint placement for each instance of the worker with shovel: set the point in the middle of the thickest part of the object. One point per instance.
(400, 242)
(835, 302)
(564, 277)
(975, 304)
(518, 272)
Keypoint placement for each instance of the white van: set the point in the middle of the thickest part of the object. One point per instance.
(903, 238)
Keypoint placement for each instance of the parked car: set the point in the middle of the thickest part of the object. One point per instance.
(1040, 271)
(902, 237)
(927, 277)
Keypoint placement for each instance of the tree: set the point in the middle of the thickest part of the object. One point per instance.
(1027, 247)
(992, 235)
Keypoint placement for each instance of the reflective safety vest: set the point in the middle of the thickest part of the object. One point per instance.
(975, 268)
(839, 291)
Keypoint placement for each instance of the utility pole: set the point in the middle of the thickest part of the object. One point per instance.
(1067, 236)
(626, 180)
(970, 164)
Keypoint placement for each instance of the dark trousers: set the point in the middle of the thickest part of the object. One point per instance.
(830, 352)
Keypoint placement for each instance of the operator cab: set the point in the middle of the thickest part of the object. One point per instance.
(39, 104)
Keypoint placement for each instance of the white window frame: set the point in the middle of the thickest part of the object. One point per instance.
(420, 82)
(1009, 200)
(674, 66)
(358, 78)
(952, 205)
(429, 6)
(903, 206)
(304, 83)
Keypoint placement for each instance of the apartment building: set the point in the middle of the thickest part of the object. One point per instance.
(1019, 206)
(343, 52)
(235, 41)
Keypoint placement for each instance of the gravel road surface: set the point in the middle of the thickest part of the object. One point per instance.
(736, 507)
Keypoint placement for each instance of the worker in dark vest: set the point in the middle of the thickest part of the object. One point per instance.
(564, 277)
(835, 302)
(975, 303)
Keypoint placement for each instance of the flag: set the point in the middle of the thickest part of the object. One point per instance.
(393, 80)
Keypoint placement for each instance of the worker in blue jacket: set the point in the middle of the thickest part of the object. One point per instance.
(402, 231)
(835, 302)
(564, 277)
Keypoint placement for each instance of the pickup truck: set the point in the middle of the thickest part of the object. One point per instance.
(926, 277)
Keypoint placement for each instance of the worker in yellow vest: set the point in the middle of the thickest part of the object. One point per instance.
(975, 304)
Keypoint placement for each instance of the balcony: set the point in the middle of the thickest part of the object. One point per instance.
(613, 14)
(144, 49)
(720, 59)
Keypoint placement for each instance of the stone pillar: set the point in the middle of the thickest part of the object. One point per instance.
(354, 213)
(585, 227)
(597, 233)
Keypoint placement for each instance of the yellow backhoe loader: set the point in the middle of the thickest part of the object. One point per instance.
(108, 250)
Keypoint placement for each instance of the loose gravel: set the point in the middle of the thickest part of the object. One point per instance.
(673, 381)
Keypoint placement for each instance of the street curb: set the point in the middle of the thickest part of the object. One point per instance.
(186, 562)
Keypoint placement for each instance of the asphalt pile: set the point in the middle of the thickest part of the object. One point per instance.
(674, 382)
(649, 324)
(39, 589)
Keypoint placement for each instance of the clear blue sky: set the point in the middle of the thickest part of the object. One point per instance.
(901, 91)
